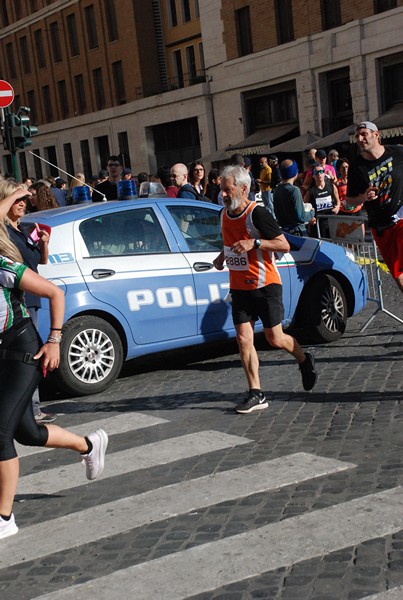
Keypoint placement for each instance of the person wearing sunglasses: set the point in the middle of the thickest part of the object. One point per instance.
(320, 161)
(109, 188)
(324, 197)
(33, 253)
(23, 359)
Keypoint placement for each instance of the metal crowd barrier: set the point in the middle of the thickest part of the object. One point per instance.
(351, 232)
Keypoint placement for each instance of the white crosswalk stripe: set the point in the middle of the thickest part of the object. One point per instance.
(119, 424)
(218, 563)
(127, 461)
(393, 594)
(163, 503)
(279, 545)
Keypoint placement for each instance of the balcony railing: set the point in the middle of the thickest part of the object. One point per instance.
(174, 83)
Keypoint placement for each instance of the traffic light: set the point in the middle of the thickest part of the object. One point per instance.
(21, 130)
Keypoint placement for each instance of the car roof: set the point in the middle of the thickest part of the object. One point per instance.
(66, 214)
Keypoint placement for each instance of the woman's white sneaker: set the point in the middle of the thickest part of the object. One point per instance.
(8, 528)
(94, 461)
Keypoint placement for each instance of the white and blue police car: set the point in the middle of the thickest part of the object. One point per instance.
(138, 278)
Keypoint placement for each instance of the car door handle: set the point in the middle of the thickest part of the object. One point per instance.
(202, 266)
(102, 273)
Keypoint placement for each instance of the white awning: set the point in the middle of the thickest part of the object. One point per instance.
(297, 144)
(259, 141)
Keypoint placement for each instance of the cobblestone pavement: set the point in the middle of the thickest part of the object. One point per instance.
(354, 415)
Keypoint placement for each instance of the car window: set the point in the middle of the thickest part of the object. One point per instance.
(200, 227)
(129, 232)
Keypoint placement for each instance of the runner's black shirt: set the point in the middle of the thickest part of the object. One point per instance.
(385, 173)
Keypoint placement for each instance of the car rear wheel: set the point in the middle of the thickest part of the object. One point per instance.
(91, 356)
(323, 312)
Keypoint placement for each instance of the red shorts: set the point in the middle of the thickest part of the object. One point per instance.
(390, 244)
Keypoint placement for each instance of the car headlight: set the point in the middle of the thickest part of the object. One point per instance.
(350, 254)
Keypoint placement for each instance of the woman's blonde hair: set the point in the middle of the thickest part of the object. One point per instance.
(7, 248)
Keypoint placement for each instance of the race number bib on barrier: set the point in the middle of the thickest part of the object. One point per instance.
(236, 262)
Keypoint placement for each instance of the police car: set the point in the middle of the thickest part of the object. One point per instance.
(138, 278)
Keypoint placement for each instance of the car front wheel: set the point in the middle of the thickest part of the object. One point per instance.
(323, 312)
(91, 356)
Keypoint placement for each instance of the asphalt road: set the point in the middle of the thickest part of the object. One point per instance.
(301, 501)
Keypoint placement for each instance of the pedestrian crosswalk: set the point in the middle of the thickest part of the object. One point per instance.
(200, 568)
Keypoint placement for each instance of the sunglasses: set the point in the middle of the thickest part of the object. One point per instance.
(318, 172)
(113, 165)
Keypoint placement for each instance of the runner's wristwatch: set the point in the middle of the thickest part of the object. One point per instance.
(257, 243)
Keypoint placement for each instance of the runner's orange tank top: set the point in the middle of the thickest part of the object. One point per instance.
(249, 270)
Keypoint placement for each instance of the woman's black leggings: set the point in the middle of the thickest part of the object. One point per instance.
(18, 381)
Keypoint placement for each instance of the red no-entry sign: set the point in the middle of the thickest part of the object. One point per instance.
(6, 94)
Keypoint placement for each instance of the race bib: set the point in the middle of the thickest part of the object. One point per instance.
(236, 262)
(324, 203)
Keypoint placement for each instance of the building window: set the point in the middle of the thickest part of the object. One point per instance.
(111, 20)
(271, 106)
(172, 16)
(392, 80)
(85, 154)
(40, 49)
(68, 158)
(191, 63)
(32, 105)
(124, 152)
(176, 141)
(178, 69)
(4, 15)
(63, 98)
(55, 40)
(12, 72)
(33, 5)
(23, 166)
(331, 14)
(197, 9)
(80, 94)
(102, 149)
(38, 165)
(119, 82)
(99, 88)
(340, 104)
(26, 64)
(17, 8)
(243, 31)
(72, 34)
(91, 25)
(51, 156)
(47, 104)
(186, 16)
(382, 5)
(284, 21)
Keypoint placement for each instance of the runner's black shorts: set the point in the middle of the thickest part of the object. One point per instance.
(265, 303)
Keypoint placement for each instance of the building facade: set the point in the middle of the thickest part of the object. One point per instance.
(161, 81)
